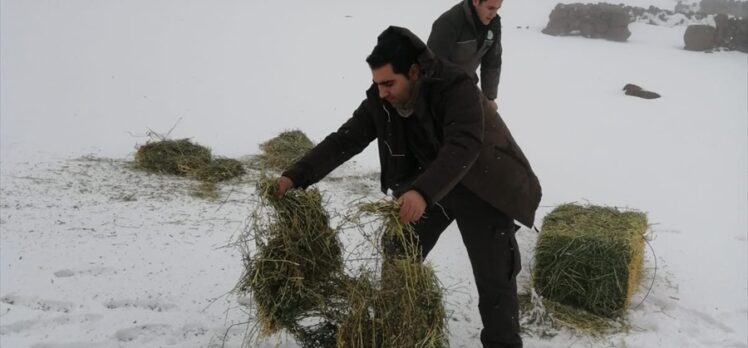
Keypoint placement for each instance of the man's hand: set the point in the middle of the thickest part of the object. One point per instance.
(412, 206)
(493, 104)
(284, 184)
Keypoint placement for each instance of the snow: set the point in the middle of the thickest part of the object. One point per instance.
(95, 254)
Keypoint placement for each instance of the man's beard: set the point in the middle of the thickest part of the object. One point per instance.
(405, 108)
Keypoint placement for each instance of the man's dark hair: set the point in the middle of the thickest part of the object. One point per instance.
(393, 48)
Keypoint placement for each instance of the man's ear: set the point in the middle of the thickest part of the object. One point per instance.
(414, 72)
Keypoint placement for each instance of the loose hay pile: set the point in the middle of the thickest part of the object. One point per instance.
(296, 276)
(405, 308)
(282, 151)
(590, 258)
(177, 157)
(183, 158)
(220, 169)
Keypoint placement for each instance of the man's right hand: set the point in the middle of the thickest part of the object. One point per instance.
(412, 206)
(284, 184)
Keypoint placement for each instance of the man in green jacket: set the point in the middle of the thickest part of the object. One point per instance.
(469, 35)
(446, 154)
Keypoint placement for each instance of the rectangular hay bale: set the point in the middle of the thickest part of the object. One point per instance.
(590, 257)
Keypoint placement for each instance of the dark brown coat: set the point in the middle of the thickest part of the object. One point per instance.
(454, 137)
(456, 37)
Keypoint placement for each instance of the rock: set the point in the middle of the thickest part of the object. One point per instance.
(634, 90)
(699, 37)
(589, 20)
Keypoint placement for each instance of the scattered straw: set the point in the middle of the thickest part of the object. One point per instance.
(543, 317)
(220, 169)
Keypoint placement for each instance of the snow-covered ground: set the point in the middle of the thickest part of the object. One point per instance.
(95, 254)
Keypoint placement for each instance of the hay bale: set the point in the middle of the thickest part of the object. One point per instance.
(293, 278)
(590, 257)
(178, 157)
(285, 149)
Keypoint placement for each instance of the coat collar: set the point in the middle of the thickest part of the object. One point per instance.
(467, 10)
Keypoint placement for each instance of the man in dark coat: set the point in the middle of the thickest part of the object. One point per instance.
(469, 35)
(446, 154)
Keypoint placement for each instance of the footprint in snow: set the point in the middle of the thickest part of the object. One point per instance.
(66, 273)
(46, 323)
(38, 304)
(152, 305)
(148, 330)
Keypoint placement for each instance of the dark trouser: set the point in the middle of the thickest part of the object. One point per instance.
(488, 235)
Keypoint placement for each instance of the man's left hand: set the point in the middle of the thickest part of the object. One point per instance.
(412, 206)
(493, 104)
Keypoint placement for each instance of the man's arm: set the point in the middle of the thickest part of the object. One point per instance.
(349, 140)
(490, 67)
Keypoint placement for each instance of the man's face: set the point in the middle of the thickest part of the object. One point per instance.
(394, 88)
(487, 10)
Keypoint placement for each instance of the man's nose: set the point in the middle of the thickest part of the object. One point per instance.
(383, 92)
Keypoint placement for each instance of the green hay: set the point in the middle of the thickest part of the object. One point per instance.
(590, 258)
(404, 307)
(409, 308)
(178, 157)
(183, 158)
(295, 274)
(220, 169)
(297, 282)
(285, 149)
(357, 328)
